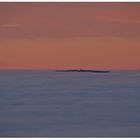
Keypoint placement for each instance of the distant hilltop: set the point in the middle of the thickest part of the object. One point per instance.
(81, 70)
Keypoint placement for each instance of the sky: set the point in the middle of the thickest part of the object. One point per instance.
(70, 36)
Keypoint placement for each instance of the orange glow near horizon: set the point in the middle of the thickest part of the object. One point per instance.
(98, 53)
(70, 36)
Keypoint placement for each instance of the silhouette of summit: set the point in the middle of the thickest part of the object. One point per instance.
(83, 70)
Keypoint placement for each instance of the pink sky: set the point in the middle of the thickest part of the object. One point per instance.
(69, 35)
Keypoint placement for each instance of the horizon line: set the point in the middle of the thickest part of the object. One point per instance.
(42, 69)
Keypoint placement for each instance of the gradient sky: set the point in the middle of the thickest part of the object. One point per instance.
(69, 35)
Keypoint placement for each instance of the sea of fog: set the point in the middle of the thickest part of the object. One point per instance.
(69, 104)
